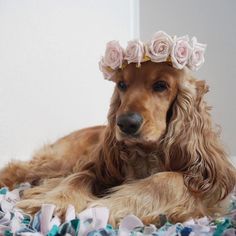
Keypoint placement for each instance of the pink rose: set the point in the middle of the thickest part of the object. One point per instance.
(134, 52)
(113, 55)
(159, 48)
(196, 58)
(107, 71)
(181, 52)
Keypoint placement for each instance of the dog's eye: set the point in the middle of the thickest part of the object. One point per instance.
(122, 86)
(160, 86)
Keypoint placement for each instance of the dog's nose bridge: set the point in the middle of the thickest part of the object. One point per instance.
(134, 101)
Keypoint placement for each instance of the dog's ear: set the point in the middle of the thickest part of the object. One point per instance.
(192, 146)
(114, 105)
(201, 87)
(110, 167)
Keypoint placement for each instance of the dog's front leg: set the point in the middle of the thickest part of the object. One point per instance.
(76, 190)
(163, 193)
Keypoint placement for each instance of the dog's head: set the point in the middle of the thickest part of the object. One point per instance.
(145, 97)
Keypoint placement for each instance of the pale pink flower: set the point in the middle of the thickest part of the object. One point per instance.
(196, 58)
(159, 48)
(181, 52)
(113, 55)
(134, 52)
(107, 71)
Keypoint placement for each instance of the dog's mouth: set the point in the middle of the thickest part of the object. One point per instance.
(138, 143)
(122, 136)
(136, 139)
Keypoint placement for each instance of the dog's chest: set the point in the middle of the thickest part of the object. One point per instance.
(142, 165)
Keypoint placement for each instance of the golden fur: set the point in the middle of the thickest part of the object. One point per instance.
(176, 164)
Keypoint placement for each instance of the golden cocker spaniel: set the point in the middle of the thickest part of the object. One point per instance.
(158, 154)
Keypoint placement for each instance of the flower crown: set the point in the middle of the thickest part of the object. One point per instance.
(179, 51)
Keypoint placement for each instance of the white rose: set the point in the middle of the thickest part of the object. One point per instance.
(113, 55)
(181, 52)
(107, 71)
(134, 52)
(196, 58)
(159, 48)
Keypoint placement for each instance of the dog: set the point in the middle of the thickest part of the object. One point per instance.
(158, 154)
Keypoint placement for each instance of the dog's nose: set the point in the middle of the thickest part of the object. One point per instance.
(129, 123)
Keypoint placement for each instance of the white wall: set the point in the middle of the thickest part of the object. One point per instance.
(49, 79)
(213, 22)
(49, 49)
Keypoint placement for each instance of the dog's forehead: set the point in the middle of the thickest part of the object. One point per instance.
(148, 71)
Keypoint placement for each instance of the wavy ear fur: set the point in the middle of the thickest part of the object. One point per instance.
(109, 166)
(111, 153)
(192, 146)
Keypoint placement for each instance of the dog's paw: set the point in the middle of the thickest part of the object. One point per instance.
(2, 184)
(115, 215)
(31, 206)
(5, 181)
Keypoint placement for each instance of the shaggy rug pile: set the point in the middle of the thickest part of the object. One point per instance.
(93, 222)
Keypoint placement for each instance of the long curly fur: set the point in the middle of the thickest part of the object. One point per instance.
(183, 173)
